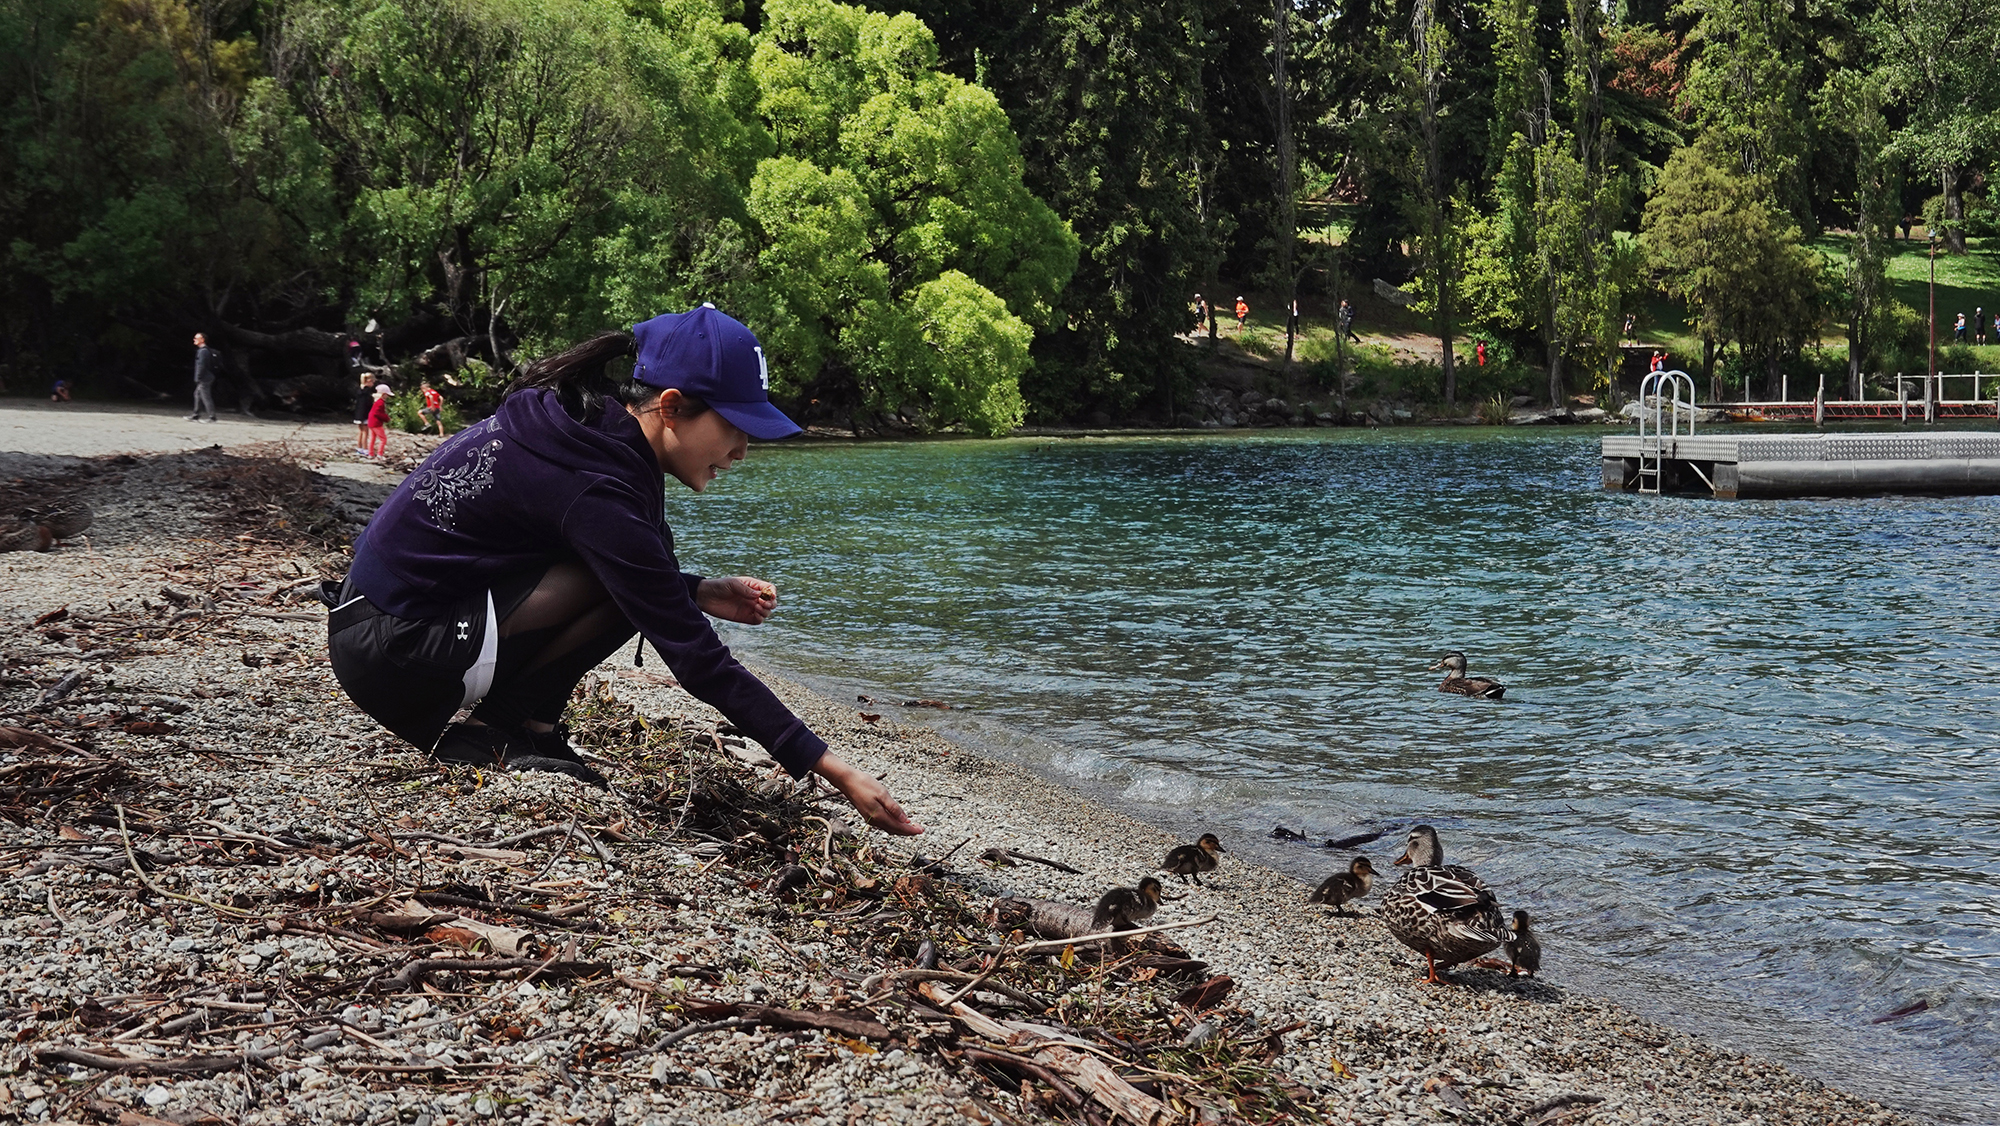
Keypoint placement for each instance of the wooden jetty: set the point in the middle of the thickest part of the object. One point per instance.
(1666, 456)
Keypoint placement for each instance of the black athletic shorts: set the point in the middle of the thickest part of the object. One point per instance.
(413, 675)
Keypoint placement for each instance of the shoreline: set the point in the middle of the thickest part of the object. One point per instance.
(253, 736)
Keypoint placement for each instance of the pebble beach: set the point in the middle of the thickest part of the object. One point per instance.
(229, 897)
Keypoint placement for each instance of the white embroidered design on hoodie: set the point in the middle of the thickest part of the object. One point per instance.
(441, 491)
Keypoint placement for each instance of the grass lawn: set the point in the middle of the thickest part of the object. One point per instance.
(1395, 334)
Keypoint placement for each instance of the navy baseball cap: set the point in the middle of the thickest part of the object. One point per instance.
(711, 356)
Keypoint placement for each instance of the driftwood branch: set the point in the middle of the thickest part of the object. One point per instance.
(1059, 1054)
(414, 974)
(188, 1065)
(1026, 1066)
(747, 1015)
(1086, 935)
(1007, 856)
(435, 898)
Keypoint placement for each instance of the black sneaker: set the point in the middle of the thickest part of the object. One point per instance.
(550, 751)
(471, 744)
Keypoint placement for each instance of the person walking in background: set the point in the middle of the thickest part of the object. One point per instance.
(1979, 324)
(378, 423)
(1629, 318)
(1659, 361)
(433, 409)
(1480, 352)
(204, 379)
(1242, 313)
(1958, 329)
(59, 393)
(1200, 312)
(1345, 321)
(364, 402)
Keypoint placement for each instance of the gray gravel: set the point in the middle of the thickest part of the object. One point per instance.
(262, 744)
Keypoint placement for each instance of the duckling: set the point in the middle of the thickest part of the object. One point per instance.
(1443, 911)
(1459, 684)
(1343, 886)
(1524, 950)
(1189, 861)
(1121, 908)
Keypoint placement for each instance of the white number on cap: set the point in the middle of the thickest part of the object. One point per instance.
(763, 369)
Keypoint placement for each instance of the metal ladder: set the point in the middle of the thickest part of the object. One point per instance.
(1660, 394)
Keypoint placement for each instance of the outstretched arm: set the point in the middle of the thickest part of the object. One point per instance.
(870, 797)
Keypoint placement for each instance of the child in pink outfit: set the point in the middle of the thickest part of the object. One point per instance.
(378, 422)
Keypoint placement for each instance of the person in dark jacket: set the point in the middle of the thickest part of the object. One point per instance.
(204, 378)
(528, 548)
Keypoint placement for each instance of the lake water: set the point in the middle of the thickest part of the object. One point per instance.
(1745, 770)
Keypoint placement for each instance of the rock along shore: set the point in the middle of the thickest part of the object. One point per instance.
(228, 897)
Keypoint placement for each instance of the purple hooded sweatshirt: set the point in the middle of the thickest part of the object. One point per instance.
(532, 486)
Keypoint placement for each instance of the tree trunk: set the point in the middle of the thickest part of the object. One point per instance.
(1556, 375)
(1771, 375)
(1288, 221)
(1708, 368)
(1954, 211)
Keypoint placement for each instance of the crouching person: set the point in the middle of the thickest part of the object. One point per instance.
(529, 547)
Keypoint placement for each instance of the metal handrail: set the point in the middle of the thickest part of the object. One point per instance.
(1660, 392)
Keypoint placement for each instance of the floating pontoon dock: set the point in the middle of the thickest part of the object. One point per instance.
(1666, 456)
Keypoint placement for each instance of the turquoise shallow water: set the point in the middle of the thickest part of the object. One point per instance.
(1746, 768)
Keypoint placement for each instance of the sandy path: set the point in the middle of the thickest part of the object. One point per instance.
(94, 429)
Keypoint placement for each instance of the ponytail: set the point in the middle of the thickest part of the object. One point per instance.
(584, 386)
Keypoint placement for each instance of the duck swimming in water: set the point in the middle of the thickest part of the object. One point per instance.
(1342, 887)
(1121, 908)
(1459, 684)
(1190, 861)
(1443, 911)
(1524, 950)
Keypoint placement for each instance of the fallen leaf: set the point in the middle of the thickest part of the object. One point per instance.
(870, 717)
(1208, 994)
(69, 834)
(148, 727)
(502, 940)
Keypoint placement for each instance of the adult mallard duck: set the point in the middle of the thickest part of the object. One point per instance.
(1442, 911)
(1342, 887)
(1459, 684)
(1524, 950)
(1121, 908)
(1190, 861)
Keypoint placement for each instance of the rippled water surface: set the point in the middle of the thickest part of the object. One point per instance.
(1746, 767)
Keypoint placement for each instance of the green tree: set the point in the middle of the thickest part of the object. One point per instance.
(902, 260)
(1546, 259)
(1715, 243)
(1938, 66)
(1855, 100)
(1436, 210)
(493, 157)
(121, 209)
(1745, 91)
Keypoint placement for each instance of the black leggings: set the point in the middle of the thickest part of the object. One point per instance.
(410, 674)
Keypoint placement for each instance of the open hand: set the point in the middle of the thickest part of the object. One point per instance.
(870, 797)
(737, 599)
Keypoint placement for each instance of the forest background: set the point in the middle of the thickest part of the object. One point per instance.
(960, 216)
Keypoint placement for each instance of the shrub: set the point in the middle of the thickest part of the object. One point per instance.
(1496, 411)
(403, 414)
